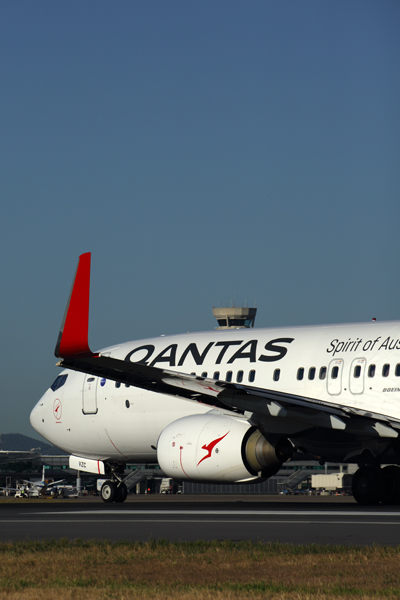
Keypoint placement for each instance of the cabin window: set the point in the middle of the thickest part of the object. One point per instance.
(277, 374)
(127, 385)
(90, 379)
(311, 373)
(371, 371)
(229, 376)
(216, 375)
(385, 370)
(239, 377)
(357, 371)
(322, 373)
(204, 374)
(252, 376)
(397, 371)
(127, 403)
(335, 372)
(300, 373)
(59, 382)
(117, 384)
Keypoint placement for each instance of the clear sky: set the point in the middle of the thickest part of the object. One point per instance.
(205, 153)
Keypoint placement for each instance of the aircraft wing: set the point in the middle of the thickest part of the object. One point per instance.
(53, 483)
(73, 348)
(239, 397)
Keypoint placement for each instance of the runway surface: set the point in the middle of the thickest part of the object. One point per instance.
(298, 520)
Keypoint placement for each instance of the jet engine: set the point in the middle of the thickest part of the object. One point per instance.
(215, 447)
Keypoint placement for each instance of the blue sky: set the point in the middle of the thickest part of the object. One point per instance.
(205, 153)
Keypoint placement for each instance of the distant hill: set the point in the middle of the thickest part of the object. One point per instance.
(16, 442)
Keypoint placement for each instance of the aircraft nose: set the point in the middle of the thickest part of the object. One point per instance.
(36, 417)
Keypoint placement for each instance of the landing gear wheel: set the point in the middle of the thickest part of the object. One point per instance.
(121, 494)
(368, 485)
(391, 485)
(108, 491)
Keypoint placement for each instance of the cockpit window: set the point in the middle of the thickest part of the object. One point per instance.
(59, 382)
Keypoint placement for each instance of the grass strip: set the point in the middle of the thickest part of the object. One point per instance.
(159, 569)
(162, 546)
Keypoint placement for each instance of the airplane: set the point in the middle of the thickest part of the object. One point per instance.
(228, 406)
(35, 489)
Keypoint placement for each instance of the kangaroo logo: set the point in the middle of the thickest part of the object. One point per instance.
(57, 409)
(210, 447)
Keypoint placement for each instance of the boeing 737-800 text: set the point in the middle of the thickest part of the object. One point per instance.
(227, 405)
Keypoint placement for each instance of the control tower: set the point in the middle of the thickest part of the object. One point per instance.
(234, 317)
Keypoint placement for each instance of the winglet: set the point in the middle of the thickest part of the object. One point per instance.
(73, 336)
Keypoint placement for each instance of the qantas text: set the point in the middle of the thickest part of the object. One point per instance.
(173, 356)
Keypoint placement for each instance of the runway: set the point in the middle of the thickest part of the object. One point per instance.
(176, 518)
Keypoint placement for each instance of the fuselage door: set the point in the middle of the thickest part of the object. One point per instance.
(334, 379)
(357, 373)
(89, 395)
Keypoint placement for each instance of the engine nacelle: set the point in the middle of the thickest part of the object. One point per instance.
(215, 447)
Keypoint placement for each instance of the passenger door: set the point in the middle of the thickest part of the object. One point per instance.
(334, 379)
(357, 374)
(89, 395)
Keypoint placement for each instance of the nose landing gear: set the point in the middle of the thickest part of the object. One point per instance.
(112, 491)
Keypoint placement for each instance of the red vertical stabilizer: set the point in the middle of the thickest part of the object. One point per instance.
(73, 336)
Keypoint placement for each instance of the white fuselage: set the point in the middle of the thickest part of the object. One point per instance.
(355, 365)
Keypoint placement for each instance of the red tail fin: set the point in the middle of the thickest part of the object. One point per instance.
(73, 336)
